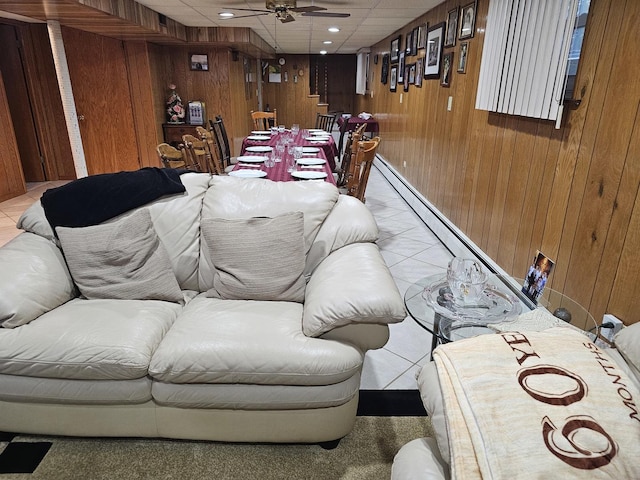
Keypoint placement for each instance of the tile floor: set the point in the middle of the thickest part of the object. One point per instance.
(410, 249)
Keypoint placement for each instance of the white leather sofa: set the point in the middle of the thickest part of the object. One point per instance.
(429, 458)
(202, 367)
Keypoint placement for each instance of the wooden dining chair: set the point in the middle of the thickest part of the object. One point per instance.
(346, 166)
(196, 153)
(264, 120)
(325, 121)
(362, 161)
(222, 140)
(170, 156)
(214, 163)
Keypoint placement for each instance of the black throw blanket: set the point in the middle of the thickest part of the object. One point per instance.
(94, 199)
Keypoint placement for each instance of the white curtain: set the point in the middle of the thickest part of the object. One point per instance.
(524, 58)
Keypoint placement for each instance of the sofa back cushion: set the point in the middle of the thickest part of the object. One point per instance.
(122, 260)
(259, 258)
(243, 198)
(627, 341)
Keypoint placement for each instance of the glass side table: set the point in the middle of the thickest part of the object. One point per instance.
(430, 303)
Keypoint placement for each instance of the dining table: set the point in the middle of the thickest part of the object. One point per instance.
(355, 121)
(257, 159)
(328, 146)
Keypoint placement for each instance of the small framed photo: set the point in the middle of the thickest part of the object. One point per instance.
(467, 21)
(422, 35)
(385, 69)
(395, 49)
(452, 28)
(462, 61)
(393, 83)
(447, 68)
(406, 78)
(537, 276)
(433, 57)
(414, 41)
(401, 67)
(409, 40)
(199, 61)
(419, 70)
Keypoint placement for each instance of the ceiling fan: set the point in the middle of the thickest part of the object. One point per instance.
(284, 10)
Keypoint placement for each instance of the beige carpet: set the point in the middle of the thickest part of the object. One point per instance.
(366, 453)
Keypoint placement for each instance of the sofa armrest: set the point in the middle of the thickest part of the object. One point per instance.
(431, 394)
(34, 280)
(364, 336)
(352, 285)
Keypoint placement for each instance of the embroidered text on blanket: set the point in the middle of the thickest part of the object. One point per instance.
(560, 440)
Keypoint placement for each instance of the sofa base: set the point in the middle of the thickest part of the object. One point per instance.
(153, 421)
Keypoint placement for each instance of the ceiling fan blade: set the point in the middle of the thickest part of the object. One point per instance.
(306, 9)
(248, 9)
(245, 16)
(325, 14)
(287, 19)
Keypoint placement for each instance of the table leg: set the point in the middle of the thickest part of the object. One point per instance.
(435, 336)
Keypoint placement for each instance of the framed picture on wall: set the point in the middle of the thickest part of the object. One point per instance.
(393, 83)
(401, 67)
(199, 61)
(414, 41)
(409, 40)
(419, 70)
(395, 49)
(433, 57)
(462, 61)
(406, 81)
(422, 35)
(467, 21)
(385, 69)
(447, 68)
(452, 28)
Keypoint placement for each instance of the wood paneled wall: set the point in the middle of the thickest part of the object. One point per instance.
(11, 180)
(292, 99)
(515, 185)
(222, 87)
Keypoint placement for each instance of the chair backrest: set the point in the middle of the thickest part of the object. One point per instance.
(347, 167)
(264, 120)
(196, 153)
(214, 164)
(362, 161)
(170, 156)
(343, 132)
(222, 141)
(325, 121)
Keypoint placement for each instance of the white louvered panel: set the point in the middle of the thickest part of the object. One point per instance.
(66, 93)
(524, 59)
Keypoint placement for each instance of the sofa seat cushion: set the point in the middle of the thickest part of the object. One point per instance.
(15, 388)
(88, 340)
(246, 341)
(240, 396)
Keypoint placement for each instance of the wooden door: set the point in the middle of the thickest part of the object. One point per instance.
(20, 106)
(98, 71)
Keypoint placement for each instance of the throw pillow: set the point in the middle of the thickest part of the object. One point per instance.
(123, 260)
(627, 341)
(259, 258)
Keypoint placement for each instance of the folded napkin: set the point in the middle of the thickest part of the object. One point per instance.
(365, 115)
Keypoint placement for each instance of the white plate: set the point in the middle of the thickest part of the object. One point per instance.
(261, 138)
(309, 175)
(308, 149)
(317, 131)
(248, 173)
(317, 139)
(251, 158)
(259, 148)
(260, 132)
(311, 161)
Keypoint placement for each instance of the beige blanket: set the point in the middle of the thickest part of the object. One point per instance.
(538, 405)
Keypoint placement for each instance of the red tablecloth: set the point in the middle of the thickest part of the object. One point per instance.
(329, 148)
(279, 171)
(355, 121)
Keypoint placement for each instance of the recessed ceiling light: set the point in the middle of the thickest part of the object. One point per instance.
(333, 29)
(327, 42)
(226, 14)
(323, 52)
